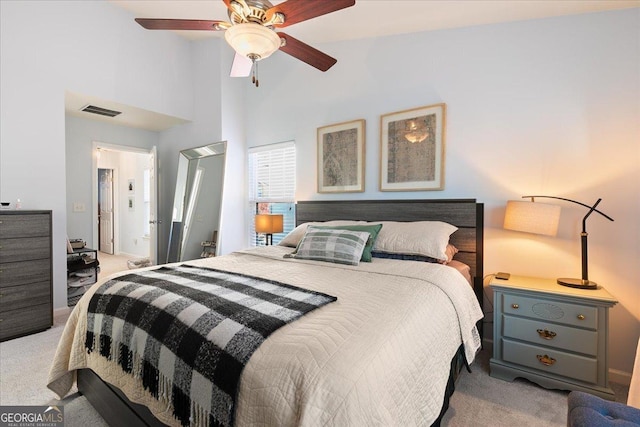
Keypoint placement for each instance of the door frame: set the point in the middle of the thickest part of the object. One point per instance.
(96, 146)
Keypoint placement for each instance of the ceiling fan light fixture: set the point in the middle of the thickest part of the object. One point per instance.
(252, 40)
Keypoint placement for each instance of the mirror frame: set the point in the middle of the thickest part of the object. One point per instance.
(176, 231)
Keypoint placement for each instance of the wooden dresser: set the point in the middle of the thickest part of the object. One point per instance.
(26, 294)
(552, 335)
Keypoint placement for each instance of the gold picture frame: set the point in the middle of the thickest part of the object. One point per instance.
(341, 150)
(412, 149)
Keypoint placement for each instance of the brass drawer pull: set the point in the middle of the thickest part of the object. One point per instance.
(581, 317)
(515, 306)
(546, 360)
(547, 335)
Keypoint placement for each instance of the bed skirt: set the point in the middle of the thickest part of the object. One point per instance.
(117, 409)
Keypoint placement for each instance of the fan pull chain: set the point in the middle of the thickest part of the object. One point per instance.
(254, 78)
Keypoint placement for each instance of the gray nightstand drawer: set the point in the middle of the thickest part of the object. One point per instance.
(568, 365)
(561, 337)
(556, 311)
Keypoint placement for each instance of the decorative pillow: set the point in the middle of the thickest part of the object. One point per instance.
(372, 229)
(425, 238)
(405, 257)
(450, 252)
(295, 236)
(339, 246)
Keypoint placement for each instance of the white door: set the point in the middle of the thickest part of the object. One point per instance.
(153, 208)
(105, 210)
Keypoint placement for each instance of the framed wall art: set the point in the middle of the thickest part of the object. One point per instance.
(341, 149)
(412, 151)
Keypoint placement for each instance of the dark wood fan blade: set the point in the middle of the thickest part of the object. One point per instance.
(180, 24)
(306, 53)
(300, 10)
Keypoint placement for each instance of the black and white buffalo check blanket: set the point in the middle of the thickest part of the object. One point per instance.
(186, 333)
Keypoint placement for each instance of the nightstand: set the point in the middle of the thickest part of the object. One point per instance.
(552, 335)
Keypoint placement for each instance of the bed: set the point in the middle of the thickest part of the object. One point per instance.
(355, 361)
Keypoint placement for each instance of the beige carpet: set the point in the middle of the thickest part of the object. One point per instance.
(479, 400)
(110, 264)
(24, 368)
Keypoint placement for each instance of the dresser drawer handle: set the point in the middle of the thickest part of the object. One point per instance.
(547, 335)
(546, 360)
(581, 317)
(515, 306)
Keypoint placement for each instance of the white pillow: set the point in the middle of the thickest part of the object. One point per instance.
(426, 238)
(295, 236)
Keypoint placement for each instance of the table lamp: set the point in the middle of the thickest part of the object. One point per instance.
(542, 218)
(269, 224)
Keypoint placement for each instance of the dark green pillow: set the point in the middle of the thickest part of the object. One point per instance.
(373, 231)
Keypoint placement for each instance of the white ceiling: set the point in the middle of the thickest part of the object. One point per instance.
(372, 18)
(368, 18)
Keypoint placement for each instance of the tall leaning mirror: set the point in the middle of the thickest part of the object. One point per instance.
(197, 203)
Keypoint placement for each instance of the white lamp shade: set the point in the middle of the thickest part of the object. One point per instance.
(269, 224)
(252, 39)
(532, 217)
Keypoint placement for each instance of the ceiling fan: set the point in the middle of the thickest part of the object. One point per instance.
(251, 30)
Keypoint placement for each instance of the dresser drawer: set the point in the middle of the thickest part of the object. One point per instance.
(15, 297)
(559, 337)
(568, 365)
(25, 320)
(555, 311)
(13, 226)
(24, 272)
(12, 250)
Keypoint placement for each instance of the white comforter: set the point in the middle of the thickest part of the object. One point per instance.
(379, 355)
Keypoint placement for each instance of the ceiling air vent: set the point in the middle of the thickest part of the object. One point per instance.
(99, 110)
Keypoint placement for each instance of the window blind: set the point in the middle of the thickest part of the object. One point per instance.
(272, 186)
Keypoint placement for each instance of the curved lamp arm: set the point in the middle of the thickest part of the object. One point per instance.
(584, 220)
(584, 282)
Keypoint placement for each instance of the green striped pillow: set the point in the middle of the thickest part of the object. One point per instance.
(330, 245)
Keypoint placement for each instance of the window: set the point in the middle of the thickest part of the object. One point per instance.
(272, 186)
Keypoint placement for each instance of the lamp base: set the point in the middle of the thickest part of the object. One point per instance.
(578, 283)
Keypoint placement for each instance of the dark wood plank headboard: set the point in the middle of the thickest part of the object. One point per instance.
(466, 214)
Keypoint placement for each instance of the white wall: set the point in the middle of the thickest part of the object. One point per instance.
(131, 239)
(545, 106)
(85, 47)
(206, 128)
(80, 134)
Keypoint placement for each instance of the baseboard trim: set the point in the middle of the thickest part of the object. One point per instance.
(64, 311)
(619, 377)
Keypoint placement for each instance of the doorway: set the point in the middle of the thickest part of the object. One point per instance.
(124, 202)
